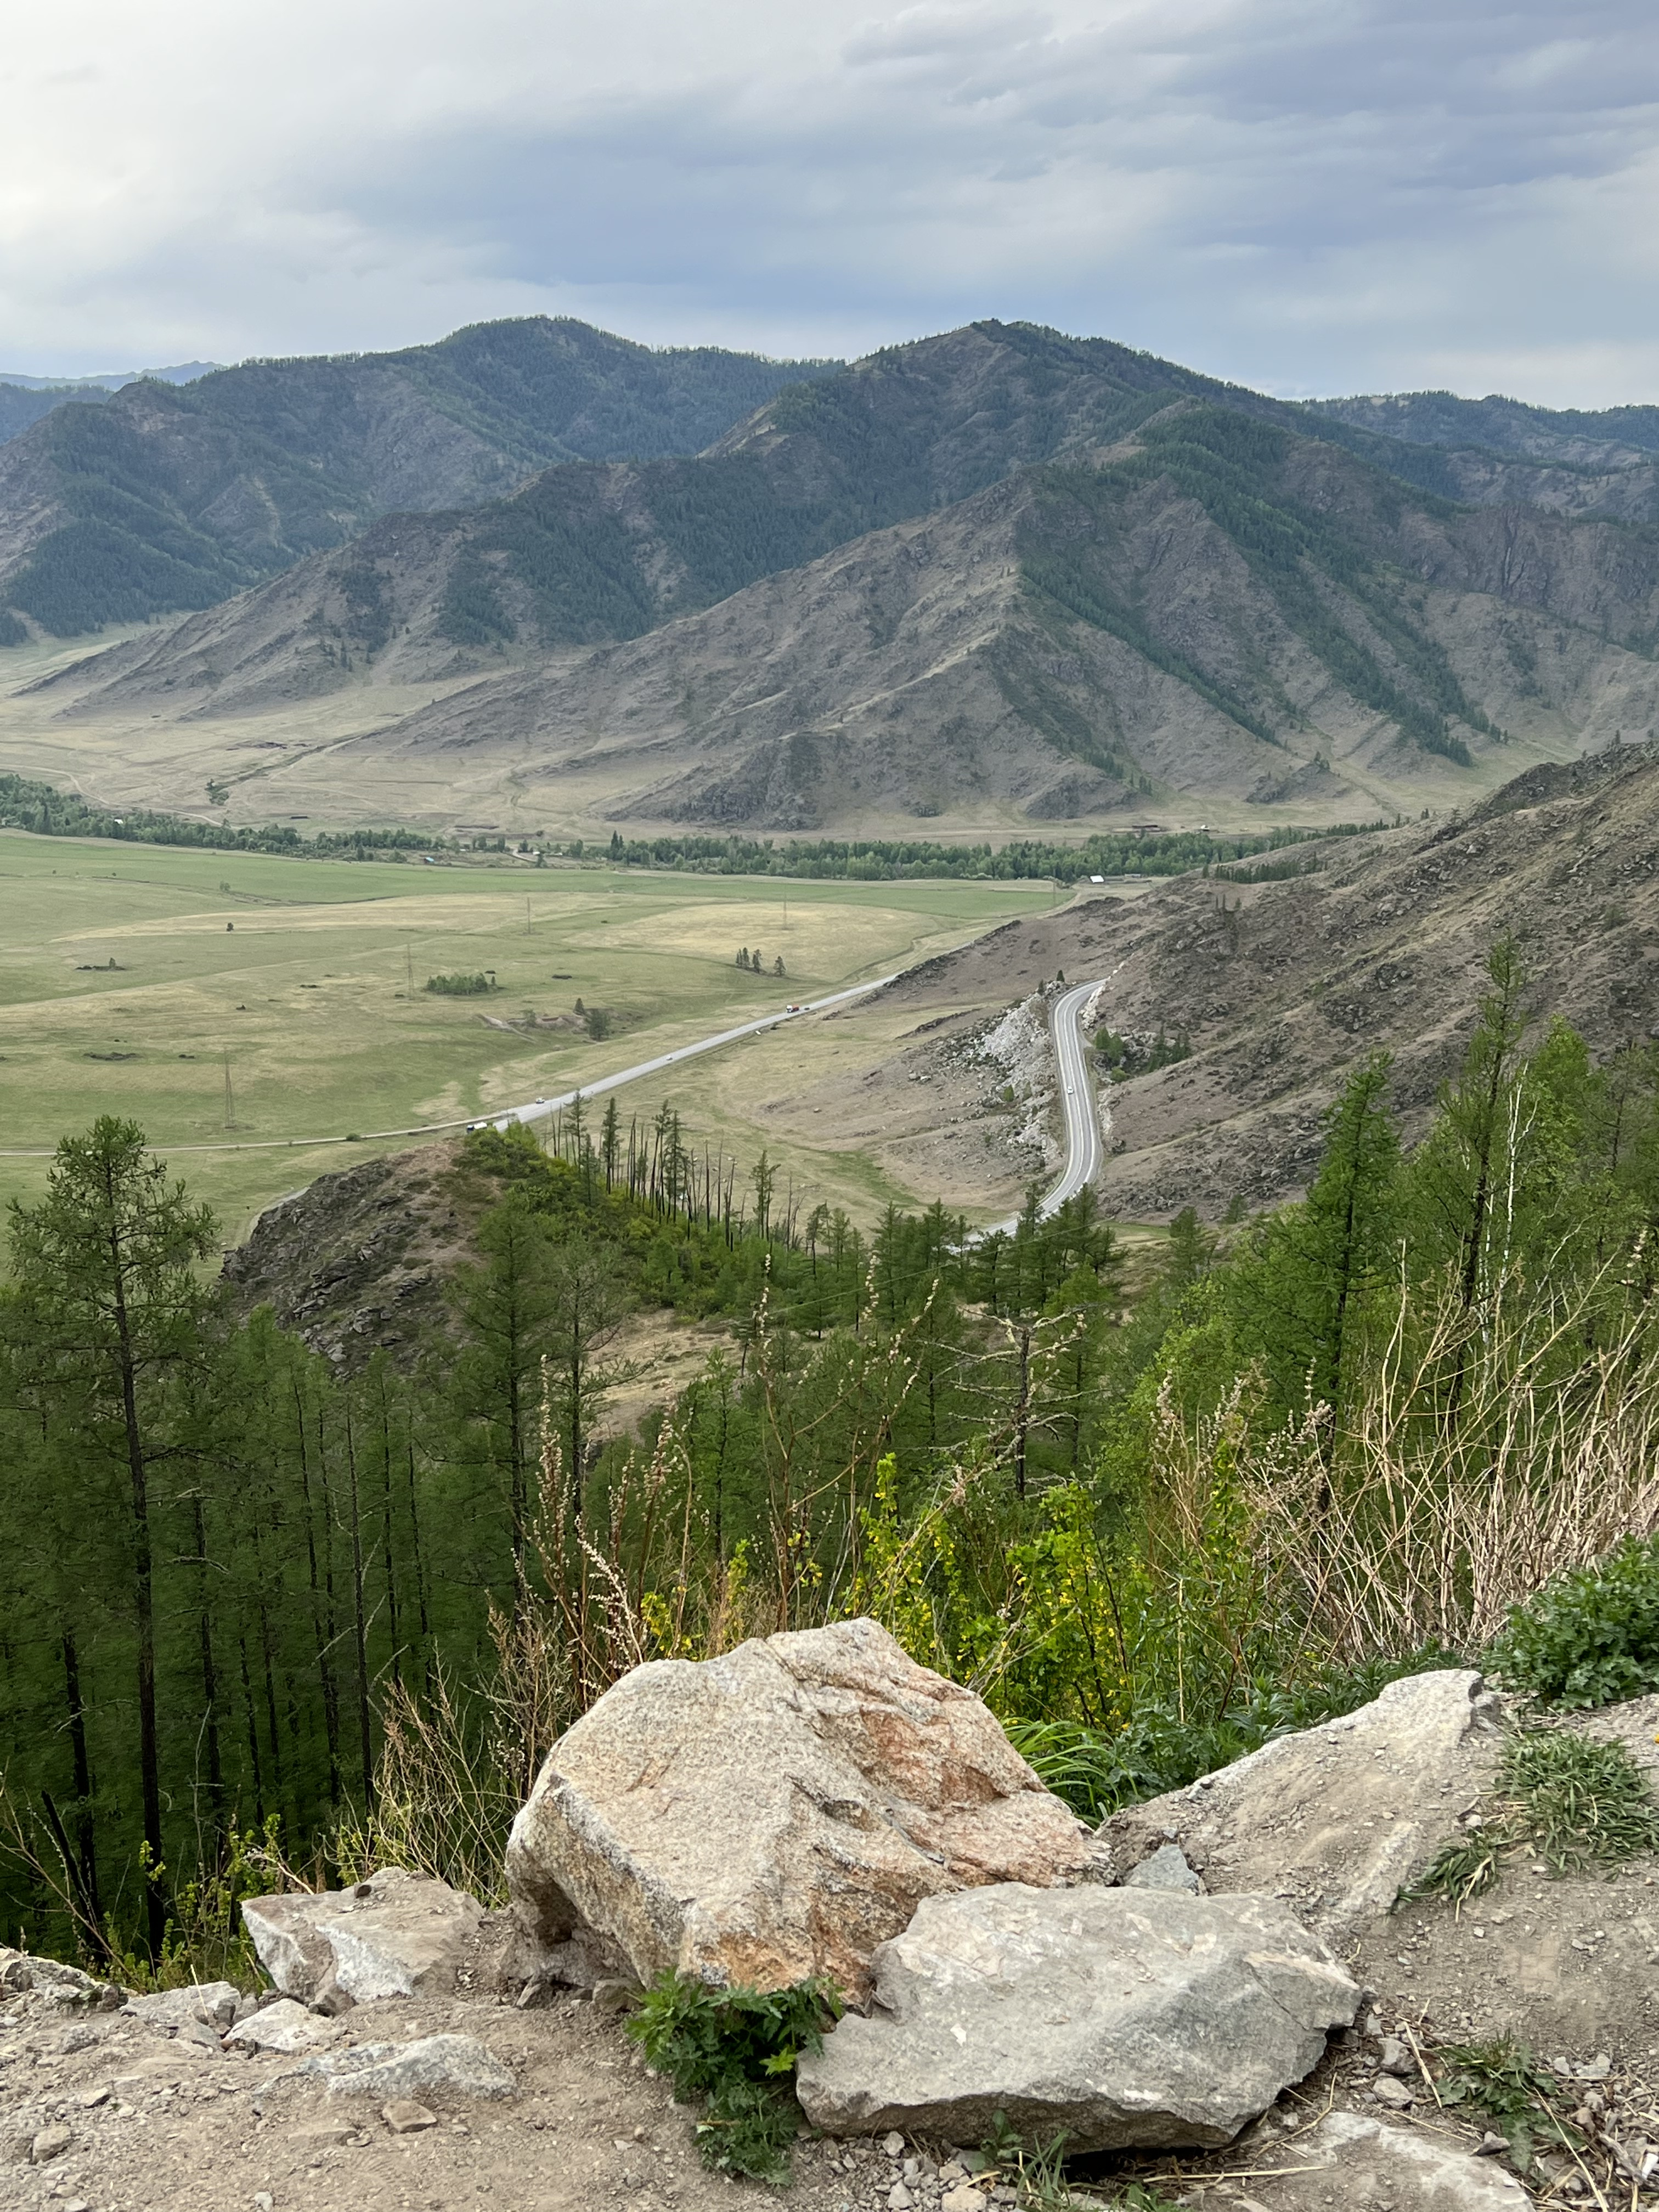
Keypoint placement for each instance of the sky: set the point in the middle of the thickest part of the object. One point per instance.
(1312, 196)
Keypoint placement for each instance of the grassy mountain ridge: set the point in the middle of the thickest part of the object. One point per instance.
(165, 497)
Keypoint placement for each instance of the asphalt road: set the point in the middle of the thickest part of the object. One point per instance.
(539, 1109)
(1076, 1096)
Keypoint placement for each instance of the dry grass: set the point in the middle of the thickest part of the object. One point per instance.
(1427, 1525)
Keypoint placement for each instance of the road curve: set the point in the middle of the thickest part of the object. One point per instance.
(1077, 1089)
(1076, 1097)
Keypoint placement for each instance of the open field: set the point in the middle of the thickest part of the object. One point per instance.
(306, 978)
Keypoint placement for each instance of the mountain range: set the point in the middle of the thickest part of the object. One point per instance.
(996, 575)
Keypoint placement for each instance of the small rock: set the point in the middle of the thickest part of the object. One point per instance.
(50, 2142)
(263, 2201)
(1378, 2163)
(1394, 2057)
(78, 2039)
(1596, 2068)
(1167, 1868)
(893, 2144)
(615, 1997)
(899, 2198)
(406, 2117)
(964, 2198)
(457, 2064)
(91, 2099)
(1491, 2146)
(286, 2027)
(1388, 2090)
(213, 2002)
(952, 2170)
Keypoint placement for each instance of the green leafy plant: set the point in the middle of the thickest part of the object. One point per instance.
(1591, 1635)
(1572, 1800)
(736, 2048)
(1505, 2081)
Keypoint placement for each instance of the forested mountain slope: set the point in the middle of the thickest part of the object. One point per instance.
(164, 497)
(1208, 606)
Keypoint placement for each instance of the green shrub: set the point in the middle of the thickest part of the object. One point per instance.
(1591, 1635)
(736, 2048)
(461, 987)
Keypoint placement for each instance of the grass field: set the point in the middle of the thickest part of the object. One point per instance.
(306, 981)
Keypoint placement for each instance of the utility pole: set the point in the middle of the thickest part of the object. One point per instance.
(230, 1103)
(408, 966)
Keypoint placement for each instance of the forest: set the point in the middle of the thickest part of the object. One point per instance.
(262, 1614)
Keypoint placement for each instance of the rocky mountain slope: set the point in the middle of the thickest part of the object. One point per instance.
(165, 497)
(1279, 988)
(1203, 606)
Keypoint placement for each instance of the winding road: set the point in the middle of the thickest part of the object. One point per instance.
(1076, 1096)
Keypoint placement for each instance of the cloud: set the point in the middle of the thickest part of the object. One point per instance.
(1308, 195)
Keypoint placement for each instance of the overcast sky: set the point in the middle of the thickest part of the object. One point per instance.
(1309, 195)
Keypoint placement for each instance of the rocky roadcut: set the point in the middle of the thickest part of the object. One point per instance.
(1155, 1994)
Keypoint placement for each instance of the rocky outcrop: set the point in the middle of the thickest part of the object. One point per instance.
(1336, 1819)
(1120, 2018)
(393, 1935)
(773, 1813)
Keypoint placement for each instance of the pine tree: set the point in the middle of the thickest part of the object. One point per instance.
(112, 1317)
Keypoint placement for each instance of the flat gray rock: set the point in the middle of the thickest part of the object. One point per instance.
(1167, 1868)
(213, 2004)
(1336, 1819)
(393, 1935)
(457, 2065)
(1364, 2164)
(285, 2027)
(1124, 2018)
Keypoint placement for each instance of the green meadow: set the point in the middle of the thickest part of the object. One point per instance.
(304, 981)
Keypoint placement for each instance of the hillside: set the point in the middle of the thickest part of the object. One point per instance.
(1279, 988)
(166, 497)
(1207, 609)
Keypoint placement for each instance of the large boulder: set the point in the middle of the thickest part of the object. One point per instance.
(392, 1935)
(1120, 2018)
(773, 1814)
(1336, 1819)
(1364, 2164)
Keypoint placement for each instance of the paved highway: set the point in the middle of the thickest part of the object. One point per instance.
(1076, 1096)
(539, 1109)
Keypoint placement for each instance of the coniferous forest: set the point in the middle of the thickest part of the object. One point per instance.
(1156, 1500)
